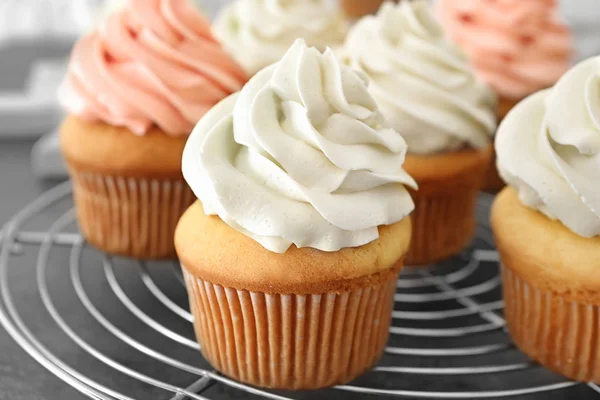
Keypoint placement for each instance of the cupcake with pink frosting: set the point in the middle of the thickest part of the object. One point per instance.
(135, 88)
(517, 47)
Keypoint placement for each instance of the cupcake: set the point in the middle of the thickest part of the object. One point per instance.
(547, 223)
(358, 8)
(291, 256)
(134, 89)
(427, 91)
(259, 32)
(517, 47)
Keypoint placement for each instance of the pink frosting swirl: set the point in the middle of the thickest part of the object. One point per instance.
(517, 46)
(153, 62)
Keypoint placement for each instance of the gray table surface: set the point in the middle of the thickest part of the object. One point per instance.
(22, 378)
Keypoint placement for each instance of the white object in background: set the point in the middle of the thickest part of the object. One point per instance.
(34, 110)
(46, 158)
(31, 19)
(583, 17)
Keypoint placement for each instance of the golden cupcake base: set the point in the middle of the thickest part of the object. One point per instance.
(129, 190)
(304, 319)
(551, 288)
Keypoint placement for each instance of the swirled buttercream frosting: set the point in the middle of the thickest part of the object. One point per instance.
(150, 62)
(549, 150)
(516, 46)
(423, 85)
(301, 156)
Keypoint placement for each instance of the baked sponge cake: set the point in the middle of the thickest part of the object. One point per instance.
(547, 223)
(292, 253)
(305, 319)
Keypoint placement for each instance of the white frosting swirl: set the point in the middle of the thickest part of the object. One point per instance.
(259, 32)
(300, 156)
(422, 84)
(549, 150)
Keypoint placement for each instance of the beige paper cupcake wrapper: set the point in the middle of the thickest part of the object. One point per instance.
(129, 216)
(561, 335)
(443, 224)
(291, 341)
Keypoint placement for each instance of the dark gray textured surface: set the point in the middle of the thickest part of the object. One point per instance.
(21, 378)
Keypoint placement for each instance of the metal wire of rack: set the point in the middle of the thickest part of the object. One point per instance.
(117, 329)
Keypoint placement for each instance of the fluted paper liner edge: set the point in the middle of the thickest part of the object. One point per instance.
(443, 224)
(291, 341)
(561, 335)
(130, 216)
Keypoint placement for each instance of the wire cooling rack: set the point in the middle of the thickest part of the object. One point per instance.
(117, 329)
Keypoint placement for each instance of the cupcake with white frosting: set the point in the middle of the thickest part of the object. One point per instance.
(302, 225)
(259, 32)
(426, 89)
(547, 223)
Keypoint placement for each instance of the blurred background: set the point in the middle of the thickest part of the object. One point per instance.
(36, 37)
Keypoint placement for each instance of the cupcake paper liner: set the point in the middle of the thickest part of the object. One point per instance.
(291, 341)
(130, 216)
(561, 335)
(443, 224)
